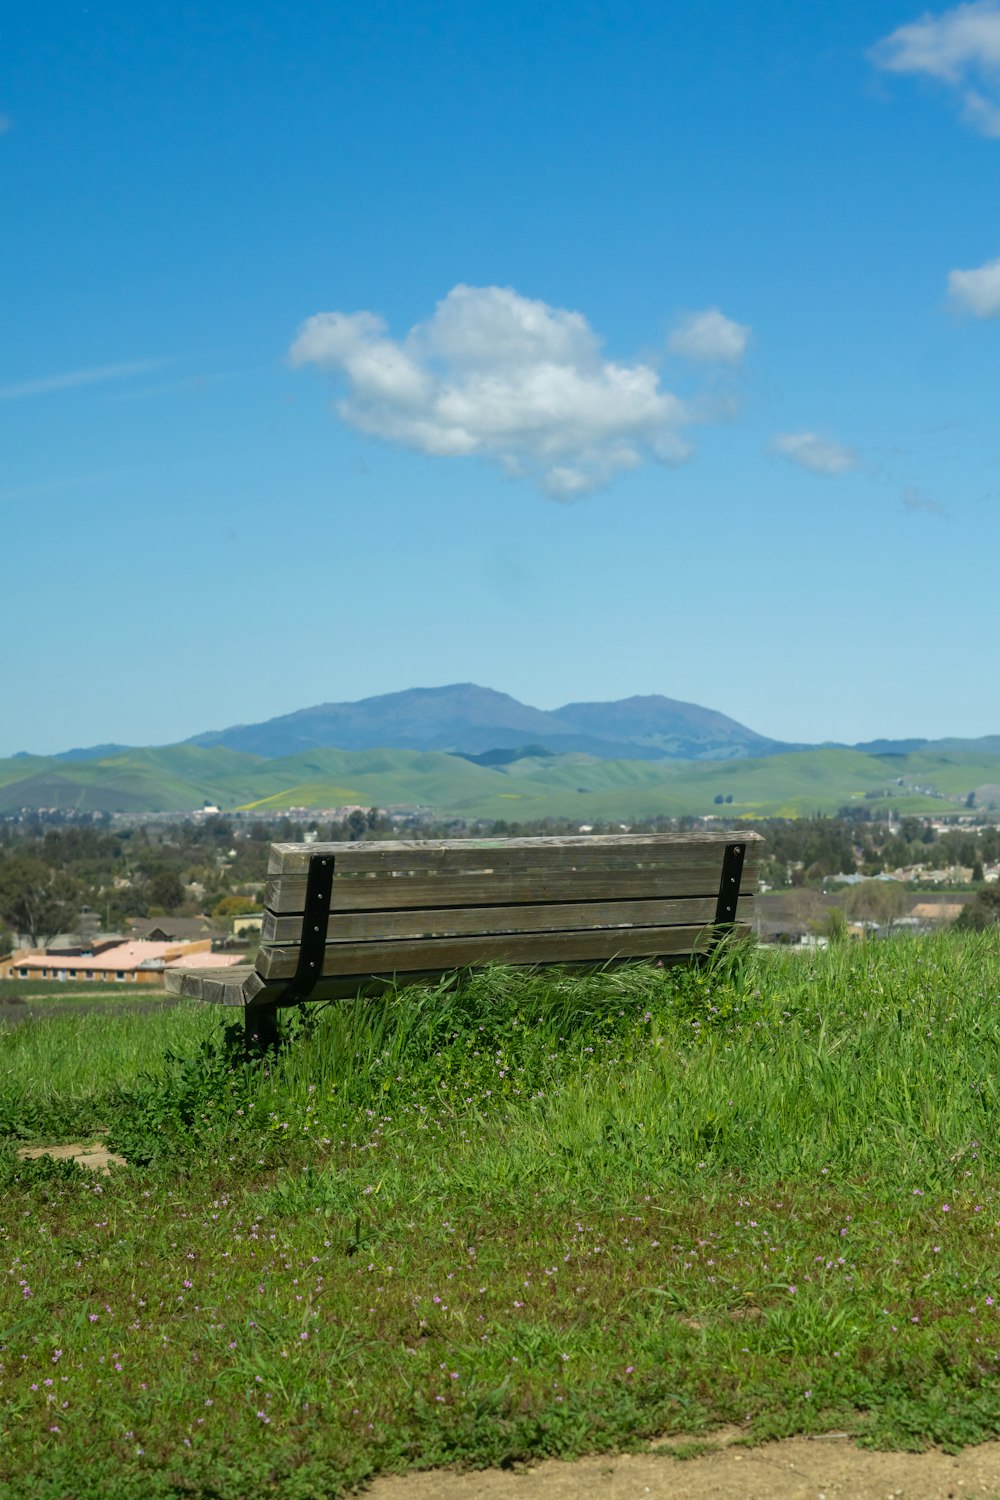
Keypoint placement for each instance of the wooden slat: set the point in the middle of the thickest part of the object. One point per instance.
(556, 916)
(218, 987)
(284, 894)
(442, 954)
(624, 850)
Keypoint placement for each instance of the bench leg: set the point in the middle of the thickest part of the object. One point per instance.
(260, 1029)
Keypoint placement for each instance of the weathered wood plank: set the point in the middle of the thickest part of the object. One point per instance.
(557, 916)
(183, 982)
(455, 855)
(408, 955)
(389, 891)
(217, 987)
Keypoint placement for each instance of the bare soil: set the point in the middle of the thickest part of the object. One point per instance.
(93, 1156)
(795, 1469)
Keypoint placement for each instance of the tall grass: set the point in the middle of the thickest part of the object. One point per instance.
(69, 1072)
(880, 1059)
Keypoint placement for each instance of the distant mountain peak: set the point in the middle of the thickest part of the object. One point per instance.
(466, 718)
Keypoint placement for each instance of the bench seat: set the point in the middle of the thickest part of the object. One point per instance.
(339, 915)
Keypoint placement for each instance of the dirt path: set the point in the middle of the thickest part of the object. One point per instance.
(797, 1469)
(91, 1154)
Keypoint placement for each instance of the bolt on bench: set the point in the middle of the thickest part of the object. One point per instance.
(340, 915)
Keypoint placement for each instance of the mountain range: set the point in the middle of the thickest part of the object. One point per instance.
(471, 752)
(463, 718)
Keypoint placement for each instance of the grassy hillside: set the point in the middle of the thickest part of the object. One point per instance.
(174, 779)
(519, 1215)
(182, 778)
(575, 786)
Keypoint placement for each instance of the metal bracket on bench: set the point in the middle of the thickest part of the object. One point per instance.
(729, 891)
(260, 1022)
(315, 920)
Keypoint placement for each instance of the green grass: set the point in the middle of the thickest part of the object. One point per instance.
(62, 990)
(523, 1214)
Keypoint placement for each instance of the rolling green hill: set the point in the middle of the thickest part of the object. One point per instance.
(182, 778)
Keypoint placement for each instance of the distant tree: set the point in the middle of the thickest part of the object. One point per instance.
(896, 852)
(165, 890)
(977, 873)
(877, 901)
(834, 924)
(958, 848)
(806, 907)
(357, 825)
(35, 899)
(718, 799)
(233, 906)
(982, 913)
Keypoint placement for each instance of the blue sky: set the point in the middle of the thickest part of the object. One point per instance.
(579, 350)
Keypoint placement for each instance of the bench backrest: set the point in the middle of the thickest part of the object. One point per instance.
(400, 908)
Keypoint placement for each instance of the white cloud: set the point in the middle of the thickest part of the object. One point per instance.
(917, 503)
(959, 47)
(818, 455)
(977, 291)
(498, 375)
(97, 373)
(710, 337)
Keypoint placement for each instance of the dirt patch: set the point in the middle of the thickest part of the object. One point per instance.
(95, 1157)
(796, 1469)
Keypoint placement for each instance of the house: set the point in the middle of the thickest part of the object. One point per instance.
(937, 911)
(79, 944)
(174, 929)
(139, 963)
(247, 923)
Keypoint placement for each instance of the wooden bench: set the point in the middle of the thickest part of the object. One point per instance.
(339, 915)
